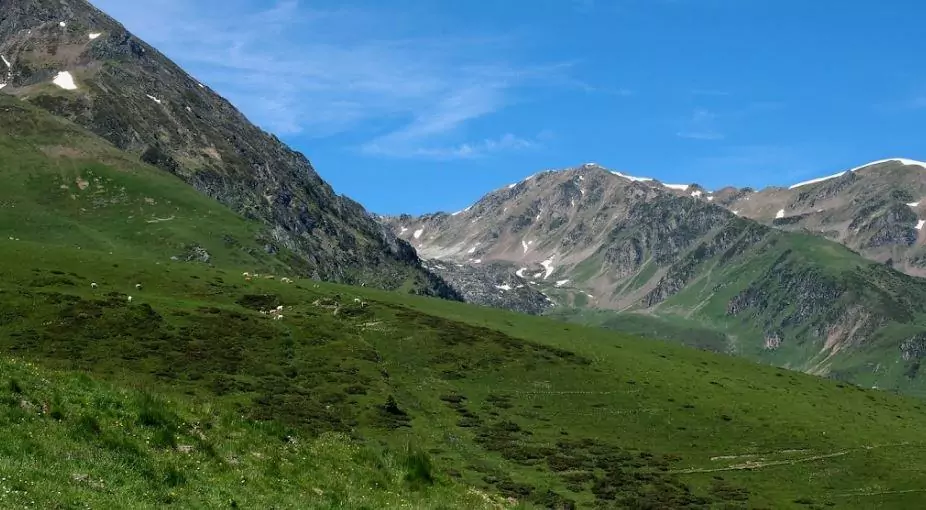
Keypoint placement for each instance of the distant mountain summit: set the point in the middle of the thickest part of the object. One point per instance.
(874, 209)
(74, 61)
(589, 237)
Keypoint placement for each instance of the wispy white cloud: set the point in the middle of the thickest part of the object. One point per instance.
(295, 69)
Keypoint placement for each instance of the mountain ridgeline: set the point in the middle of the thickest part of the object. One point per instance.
(72, 60)
(591, 238)
(158, 325)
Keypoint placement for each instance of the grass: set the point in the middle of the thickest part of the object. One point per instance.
(68, 441)
(670, 328)
(548, 413)
(187, 395)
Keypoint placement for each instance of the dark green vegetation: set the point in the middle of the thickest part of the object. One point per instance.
(68, 441)
(787, 299)
(544, 412)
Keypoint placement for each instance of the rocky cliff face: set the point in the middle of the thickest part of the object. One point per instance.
(493, 284)
(585, 229)
(76, 62)
(588, 236)
(874, 209)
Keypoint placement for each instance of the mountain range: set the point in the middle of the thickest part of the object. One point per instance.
(807, 277)
(191, 317)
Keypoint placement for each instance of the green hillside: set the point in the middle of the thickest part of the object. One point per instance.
(517, 406)
(68, 441)
(188, 394)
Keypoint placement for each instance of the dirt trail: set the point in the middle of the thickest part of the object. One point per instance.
(868, 493)
(159, 220)
(761, 463)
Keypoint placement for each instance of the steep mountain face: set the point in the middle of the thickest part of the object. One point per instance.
(591, 237)
(74, 61)
(873, 209)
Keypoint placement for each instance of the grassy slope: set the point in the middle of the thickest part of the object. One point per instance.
(670, 328)
(64, 187)
(797, 288)
(519, 406)
(68, 441)
(537, 421)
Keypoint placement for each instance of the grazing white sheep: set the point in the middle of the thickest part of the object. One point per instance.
(93, 285)
(280, 308)
(286, 280)
(130, 299)
(357, 300)
(245, 274)
(278, 317)
(137, 286)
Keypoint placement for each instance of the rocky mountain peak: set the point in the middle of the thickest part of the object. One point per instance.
(872, 208)
(78, 63)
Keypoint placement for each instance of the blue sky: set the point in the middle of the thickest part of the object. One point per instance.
(419, 106)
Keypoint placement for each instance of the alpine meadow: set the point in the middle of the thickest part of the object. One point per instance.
(191, 317)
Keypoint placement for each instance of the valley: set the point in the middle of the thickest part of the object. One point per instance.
(191, 317)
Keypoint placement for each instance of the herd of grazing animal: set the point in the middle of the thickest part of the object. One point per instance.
(94, 285)
(251, 276)
(275, 314)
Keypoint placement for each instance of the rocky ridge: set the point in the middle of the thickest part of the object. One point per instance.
(874, 209)
(588, 236)
(76, 62)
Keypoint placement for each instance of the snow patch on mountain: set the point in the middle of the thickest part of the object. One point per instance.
(548, 267)
(632, 178)
(65, 81)
(902, 161)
